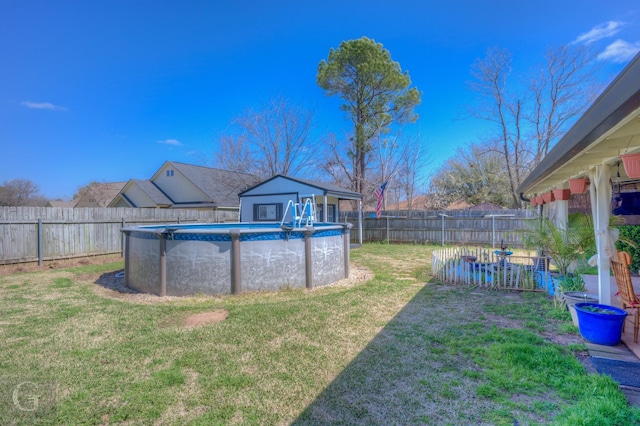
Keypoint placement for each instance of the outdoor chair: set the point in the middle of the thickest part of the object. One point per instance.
(626, 294)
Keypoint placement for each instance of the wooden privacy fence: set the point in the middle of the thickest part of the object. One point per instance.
(490, 269)
(488, 229)
(29, 234)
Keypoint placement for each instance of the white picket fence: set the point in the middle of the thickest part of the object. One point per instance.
(491, 269)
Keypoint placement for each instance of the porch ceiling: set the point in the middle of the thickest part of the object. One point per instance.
(610, 127)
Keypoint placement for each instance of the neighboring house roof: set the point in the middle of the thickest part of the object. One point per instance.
(60, 203)
(458, 205)
(424, 202)
(486, 206)
(322, 187)
(221, 186)
(197, 187)
(149, 188)
(99, 194)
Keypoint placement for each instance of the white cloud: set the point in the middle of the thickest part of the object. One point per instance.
(600, 31)
(620, 51)
(42, 105)
(172, 142)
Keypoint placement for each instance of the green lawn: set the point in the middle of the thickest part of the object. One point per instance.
(389, 351)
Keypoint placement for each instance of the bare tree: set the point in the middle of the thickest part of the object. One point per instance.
(270, 140)
(337, 165)
(20, 192)
(561, 93)
(491, 74)
(235, 154)
(385, 153)
(396, 159)
(413, 161)
(528, 124)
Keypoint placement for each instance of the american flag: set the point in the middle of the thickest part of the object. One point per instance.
(379, 193)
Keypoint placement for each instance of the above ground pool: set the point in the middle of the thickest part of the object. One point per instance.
(181, 260)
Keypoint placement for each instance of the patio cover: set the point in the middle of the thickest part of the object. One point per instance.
(591, 148)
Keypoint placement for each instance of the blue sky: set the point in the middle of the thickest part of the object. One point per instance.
(109, 90)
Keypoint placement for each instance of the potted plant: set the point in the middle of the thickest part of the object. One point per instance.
(600, 324)
(572, 291)
(631, 163)
(561, 194)
(578, 186)
(548, 197)
(562, 246)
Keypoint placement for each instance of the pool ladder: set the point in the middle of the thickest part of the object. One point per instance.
(301, 212)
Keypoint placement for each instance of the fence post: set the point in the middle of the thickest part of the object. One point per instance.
(125, 238)
(122, 238)
(388, 230)
(493, 231)
(442, 215)
(40, 254)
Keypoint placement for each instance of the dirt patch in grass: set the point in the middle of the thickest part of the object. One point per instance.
(563, 339)
(357, 275)
(58, 264)
(501, 321)
(205, 318)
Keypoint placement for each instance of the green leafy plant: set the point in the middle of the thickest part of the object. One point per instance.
(563, 246)
(572, 282)
(599, 310)
(629, 234)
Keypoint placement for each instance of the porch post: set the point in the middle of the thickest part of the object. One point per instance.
(325, 213)
(562, 213)
(600, 192)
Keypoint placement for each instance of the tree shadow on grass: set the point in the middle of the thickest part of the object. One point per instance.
(408, 374)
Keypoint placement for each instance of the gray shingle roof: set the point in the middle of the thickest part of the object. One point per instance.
(327, 188)
(221, 186)
(156, 195)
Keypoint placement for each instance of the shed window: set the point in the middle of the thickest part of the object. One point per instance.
(331, 212)
(267, 212)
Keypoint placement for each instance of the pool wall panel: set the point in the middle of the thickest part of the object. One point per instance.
(198, 267)
(272, 265)
(144, 260)
(327, 255)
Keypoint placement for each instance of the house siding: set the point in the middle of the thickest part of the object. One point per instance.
(248, 203)
(177, 187)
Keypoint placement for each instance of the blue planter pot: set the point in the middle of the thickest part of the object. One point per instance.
(601, 328)
(554, 284)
